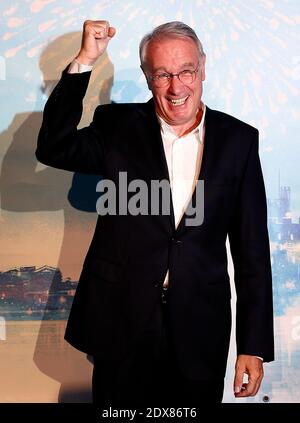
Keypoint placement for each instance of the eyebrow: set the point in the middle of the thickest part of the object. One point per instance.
(182, 67)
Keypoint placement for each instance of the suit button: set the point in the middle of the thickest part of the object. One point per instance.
(156, 284)
(176, 241)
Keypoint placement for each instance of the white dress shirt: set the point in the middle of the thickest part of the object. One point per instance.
(183, 156)
(76, 67)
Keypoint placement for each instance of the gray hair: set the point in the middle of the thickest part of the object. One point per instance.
(169, 30)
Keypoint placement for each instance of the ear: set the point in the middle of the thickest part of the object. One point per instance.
(147, 79)
(202, 67)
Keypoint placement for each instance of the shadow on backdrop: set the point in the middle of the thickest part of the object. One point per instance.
(27, 186)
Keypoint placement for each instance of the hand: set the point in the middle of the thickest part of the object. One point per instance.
(95, 37)
(253, 367)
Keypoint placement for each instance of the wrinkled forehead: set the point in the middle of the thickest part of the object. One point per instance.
(167, 51)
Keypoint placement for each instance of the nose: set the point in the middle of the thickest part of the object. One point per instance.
(175, 85)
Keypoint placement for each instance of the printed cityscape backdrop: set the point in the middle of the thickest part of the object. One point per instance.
(47, 215)
(30, 292)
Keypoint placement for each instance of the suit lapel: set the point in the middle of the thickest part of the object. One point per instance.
(155, 149)
(210, 138)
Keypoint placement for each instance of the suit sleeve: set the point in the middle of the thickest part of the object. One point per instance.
(250, 250)
(60, 144)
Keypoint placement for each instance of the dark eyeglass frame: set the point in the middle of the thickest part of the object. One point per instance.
(156, 79)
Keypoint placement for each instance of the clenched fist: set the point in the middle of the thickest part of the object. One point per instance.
(95, 37)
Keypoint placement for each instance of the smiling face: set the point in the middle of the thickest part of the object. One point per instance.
(176, 103)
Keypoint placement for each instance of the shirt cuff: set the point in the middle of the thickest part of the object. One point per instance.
(259, 358)
(76, 67)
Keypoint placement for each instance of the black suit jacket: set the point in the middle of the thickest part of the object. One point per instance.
(121, 281)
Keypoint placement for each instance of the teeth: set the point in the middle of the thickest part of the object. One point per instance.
(178, 101)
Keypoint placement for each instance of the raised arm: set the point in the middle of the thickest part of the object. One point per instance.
(60, 143)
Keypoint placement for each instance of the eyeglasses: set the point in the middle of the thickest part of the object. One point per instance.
(163, 79)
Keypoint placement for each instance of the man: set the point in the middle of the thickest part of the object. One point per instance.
(153, 301)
